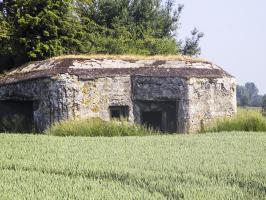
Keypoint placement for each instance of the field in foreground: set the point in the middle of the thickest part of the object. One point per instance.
(209, 166)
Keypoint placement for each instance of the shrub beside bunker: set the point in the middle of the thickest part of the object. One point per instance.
(96, 127)
(247, 120)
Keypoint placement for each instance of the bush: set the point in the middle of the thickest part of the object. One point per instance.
(245, 120)
(98, 127)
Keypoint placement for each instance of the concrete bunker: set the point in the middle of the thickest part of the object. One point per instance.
(17, 116)
(169, 94)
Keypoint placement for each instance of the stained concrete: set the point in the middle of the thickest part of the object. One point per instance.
(75, 89)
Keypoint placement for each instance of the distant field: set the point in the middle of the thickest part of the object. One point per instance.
(209, 166)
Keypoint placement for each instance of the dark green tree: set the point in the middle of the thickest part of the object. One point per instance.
(191, 47)
(39, 29)
(43, 28)
(132, 26)
(248, 95)
(4, 29)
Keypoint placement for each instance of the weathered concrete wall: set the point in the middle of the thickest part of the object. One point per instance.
(158, 88)
(101, 93)
(64, 98)
(37, 91)
(210, 99)
(81, 87)
(54, 100)
(68, 97)
(161, 89)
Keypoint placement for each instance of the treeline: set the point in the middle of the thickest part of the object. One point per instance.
(248, 95)
(39, 29)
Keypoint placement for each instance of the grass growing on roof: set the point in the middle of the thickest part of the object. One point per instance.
(136, 57)
(97, 127)
(248, 119)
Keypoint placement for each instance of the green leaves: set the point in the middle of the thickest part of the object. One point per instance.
(191, 46)
(132, 27)
(4, 30)
(39, 29)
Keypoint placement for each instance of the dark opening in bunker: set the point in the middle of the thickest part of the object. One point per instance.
(119, 112)
(16, 116)
(152, 119)
(160, 116)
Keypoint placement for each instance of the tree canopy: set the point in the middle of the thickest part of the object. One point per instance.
(248, 95)
(4, 31)
(39, 29)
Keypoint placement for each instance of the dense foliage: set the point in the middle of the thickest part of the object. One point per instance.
(41, 29)
(98, 128)
(4, 31)
(33, 30)
(248, 95)
(207, 166)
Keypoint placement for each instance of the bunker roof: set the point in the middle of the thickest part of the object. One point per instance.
(97, 66)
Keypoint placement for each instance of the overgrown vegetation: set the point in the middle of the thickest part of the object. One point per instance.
(135, 57)
(39, 29)
(97, 127)
(208, 166)
(247, 120)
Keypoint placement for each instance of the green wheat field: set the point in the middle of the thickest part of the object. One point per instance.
(204, 166)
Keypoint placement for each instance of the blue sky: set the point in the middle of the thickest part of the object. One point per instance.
(235, 35)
